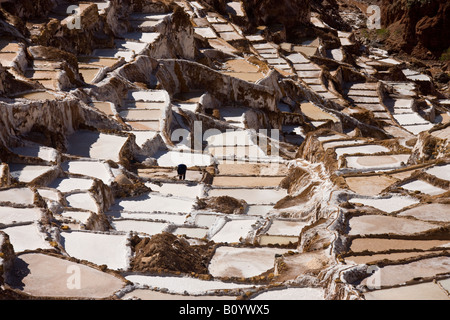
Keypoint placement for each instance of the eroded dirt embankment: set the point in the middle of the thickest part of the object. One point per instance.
(166, 251)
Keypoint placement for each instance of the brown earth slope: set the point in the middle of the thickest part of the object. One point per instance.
(168, 252)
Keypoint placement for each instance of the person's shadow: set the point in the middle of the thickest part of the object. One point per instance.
(15, 276)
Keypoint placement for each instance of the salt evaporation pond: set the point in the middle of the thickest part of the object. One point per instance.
(79, 216)
(429, 212)
(191, 159)
(27, 237)
(242, 262)
(10, 215)
(71, 184)
(94, 169)
(154, 203)
(177, 189)
(422, 291)
(369, 185)
(82, 201)
(376, 162)
(442, 172)
(423, 187)
(370, 149)
(233, 230)
(39, 282)
(292, 294)
(179, 285)
(378, 224)
(392, 275)
(146, 227)
(99, 248)
(17, 195)
(252, 196)
(27, 173)
(388, 205)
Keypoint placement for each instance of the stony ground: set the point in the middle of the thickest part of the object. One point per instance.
(318, 167)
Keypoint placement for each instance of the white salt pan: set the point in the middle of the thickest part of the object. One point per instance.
(27, 237)
(292, 294)
(9, 215)
(242, 262)
(232, 231)
(423, 187)
(98, 248)
(370, 149)
(82, 201)
(147, 227)
(388, 205)
(442, 172)
(154, 203)
(181, 284)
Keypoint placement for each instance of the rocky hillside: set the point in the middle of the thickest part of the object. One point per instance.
(418, 27)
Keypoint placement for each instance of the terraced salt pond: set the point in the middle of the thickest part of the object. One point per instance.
(36, 150)
(154, 203)
(242, 69)
(10, 215)
(96, 145)
(28, 173)
(233, 231)
(148, 228)
(94, 169)
(190, 159)
(369, 185)
(38, 281)
(174, 218)
(378, 245)
(377, 162)
(252, 196)
(441, 171)
(71, 184)
(190, 232)
(248, 168)
(423, 187)
(392, 275)
(387, 204)
(253, 152)
(99, 248)
(77, 216)
(205, 220)
(178, 189)
(429, 212)
(377, 224)
(365, 149)
(333, 144)
(315, 113)
(247, 182)
(242, 262)
(422, 291)
(17, 195)
(372, 258)
(27, 237)
(292, 294)
(82, 201)
(179, 285)
(145, 294)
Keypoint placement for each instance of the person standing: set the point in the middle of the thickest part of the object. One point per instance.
(182, 168)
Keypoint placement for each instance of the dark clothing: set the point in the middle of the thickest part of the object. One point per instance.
(182, 168)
